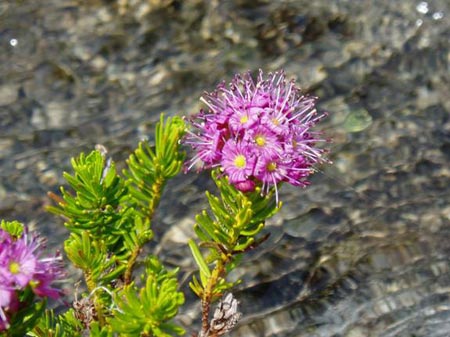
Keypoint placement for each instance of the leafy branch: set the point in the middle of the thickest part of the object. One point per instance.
(255, 135)
(146, 311)
(109, 217)
(148, 171)
(231, 227)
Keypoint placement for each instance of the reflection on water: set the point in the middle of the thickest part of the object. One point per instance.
(363, 251)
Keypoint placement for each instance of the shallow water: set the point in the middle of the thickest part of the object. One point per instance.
(363, 251)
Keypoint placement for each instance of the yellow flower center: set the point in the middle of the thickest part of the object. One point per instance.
(275, 121)
(240, 161)
(244, 119)
(34, 283)
(260, 140)
(272, 166)
(14, 268)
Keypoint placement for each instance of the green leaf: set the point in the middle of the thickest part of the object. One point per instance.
(196, 287)
(150, 167)
(204, 270)
(95, 330)
(26, 318)
(252, 231)
(148, 309)
(96, 203)
(230, 227)
(63, 325)
(92, 257)
(14, 228)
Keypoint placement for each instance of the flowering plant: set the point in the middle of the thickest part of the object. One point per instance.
(254, 136)
(258, 133)
(24, 275)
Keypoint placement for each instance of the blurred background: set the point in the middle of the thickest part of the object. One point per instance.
(364, 251)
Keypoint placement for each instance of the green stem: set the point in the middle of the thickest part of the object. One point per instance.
(91, 287)
(130, 265)
(157, 192)
(152, 205)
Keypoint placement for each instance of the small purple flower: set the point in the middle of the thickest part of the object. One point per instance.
(49, 270)
(237, 161)
(20, 267)
(207, 144)
(264, 142)
(258, 132)
(18, 263)
(243, 120)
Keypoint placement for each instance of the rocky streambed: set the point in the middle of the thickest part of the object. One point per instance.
(363, 251)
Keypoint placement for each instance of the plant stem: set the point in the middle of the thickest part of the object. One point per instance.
(208, 293)
(157, 188)
(91, 287)
(130, 265)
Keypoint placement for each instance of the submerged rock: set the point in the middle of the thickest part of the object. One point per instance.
(364, 250)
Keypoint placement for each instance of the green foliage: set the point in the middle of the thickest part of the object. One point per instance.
(24, 319)
(14, 228)
(237, 217)
(93, 258)
(109, 217)
(99, 193)
(64, 325)
(146, 311)
(149, 168)
(230, 227)
(95, 330)
(139, 233)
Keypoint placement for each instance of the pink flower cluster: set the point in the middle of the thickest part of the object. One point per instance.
(22, 267)
(258, 132)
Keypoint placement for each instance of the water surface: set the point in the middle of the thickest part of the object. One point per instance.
(363, 251)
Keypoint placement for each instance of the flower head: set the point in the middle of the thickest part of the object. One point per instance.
(20, 267)
(238, 161)
(258, 132)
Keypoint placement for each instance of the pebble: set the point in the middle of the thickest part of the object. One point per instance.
(8, 94)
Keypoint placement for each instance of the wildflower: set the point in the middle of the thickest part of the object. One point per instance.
(49, 270)
(207, 144)
(265, 143)
(22, 267)
(258, 132)
(8, 298)
(237, 161)
(18, 263)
